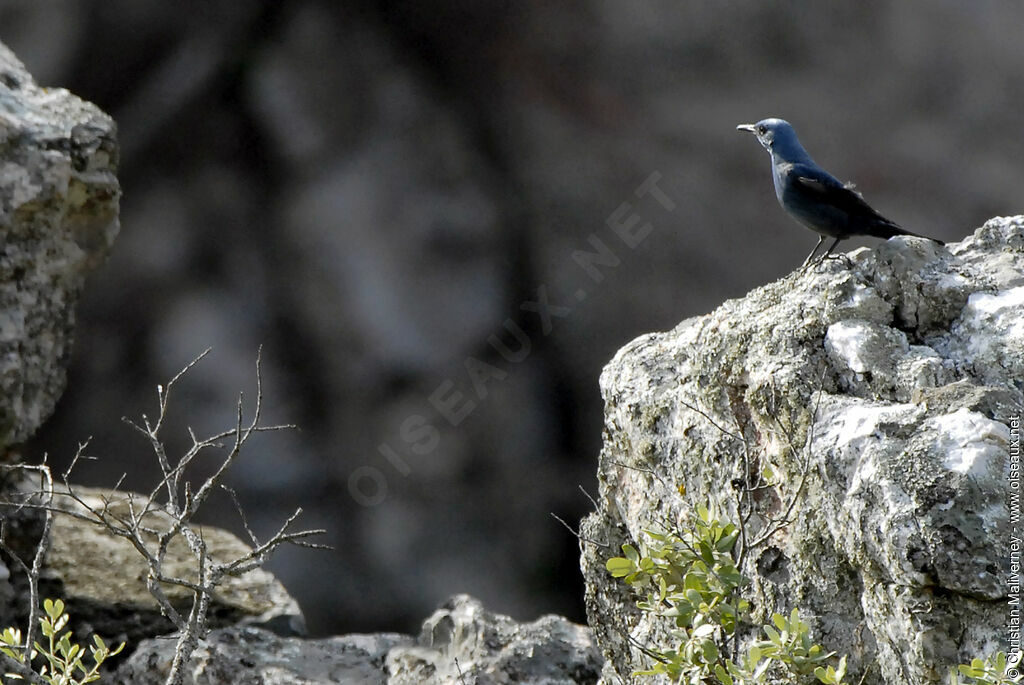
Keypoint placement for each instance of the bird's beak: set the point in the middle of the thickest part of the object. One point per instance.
(749, 128)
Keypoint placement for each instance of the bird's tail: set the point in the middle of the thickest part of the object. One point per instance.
(887, 229)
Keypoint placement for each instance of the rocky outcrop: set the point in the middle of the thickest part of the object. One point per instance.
(880, 392)
(58, 218)
(460, 643)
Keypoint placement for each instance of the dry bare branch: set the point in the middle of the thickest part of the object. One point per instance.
(153, 521)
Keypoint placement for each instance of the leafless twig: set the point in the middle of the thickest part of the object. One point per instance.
(590, 497)
(151, 522)
(32, 572)
(576, 533)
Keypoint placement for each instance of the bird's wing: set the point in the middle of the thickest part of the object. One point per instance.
(827, 188)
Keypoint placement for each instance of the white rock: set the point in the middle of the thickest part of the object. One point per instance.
(901, 372)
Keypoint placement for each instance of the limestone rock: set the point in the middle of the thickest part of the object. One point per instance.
(890, 382)
(462, 642)
(58, 218)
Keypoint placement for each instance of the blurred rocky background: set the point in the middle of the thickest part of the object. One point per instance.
(372, 190)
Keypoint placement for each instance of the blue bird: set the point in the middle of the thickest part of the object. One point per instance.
(814, 197)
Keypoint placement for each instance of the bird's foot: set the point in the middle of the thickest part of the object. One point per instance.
(814, 264)
(833, 257)
(843, 257)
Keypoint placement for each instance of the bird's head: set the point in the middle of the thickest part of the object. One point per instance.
(774, 134)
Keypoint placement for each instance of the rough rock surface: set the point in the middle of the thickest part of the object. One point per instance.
(58, 218)
(462, 640)
(253, 655)
(900, 373)
(459, 643)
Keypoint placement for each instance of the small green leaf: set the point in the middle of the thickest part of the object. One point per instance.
(710, 651)
(703, 631)
(727, 542)
(619, 567)
(841, 671)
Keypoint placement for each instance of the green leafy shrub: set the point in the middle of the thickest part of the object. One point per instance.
(63, 657)
(993, 670)
(691, 579)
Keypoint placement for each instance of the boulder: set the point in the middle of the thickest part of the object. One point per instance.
(58, 219)
(880, 390)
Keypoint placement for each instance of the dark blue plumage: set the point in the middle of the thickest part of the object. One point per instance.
(814, 197)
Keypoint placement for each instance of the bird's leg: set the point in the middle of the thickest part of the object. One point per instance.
(828, 253)
(808, 260)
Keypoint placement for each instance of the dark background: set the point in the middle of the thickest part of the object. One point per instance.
(370, 190)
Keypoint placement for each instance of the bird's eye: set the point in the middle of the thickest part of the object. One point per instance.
(762, 130)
